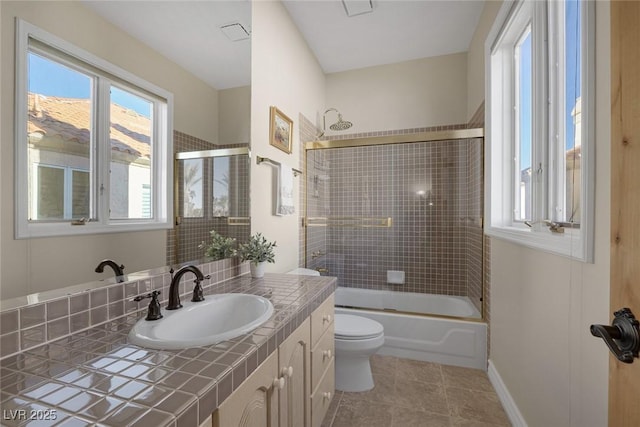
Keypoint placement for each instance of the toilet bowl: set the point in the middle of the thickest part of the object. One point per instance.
(356, 339)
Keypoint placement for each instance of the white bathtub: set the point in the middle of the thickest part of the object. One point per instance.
(448, 341)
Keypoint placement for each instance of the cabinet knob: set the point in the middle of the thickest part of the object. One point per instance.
(278, 383)
(286, 371)
(326, 318)
(327, 395)
(326, 354)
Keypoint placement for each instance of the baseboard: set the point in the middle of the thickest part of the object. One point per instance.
(510, 407)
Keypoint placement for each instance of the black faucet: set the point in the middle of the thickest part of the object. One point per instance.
(117, 269)
(153, 311)
(174, 289)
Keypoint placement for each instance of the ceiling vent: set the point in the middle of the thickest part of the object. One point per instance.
(357, 7)
(235, 32)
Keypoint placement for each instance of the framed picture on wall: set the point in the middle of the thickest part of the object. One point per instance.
(280, 130)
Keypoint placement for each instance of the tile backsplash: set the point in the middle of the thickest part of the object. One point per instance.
(31, 325)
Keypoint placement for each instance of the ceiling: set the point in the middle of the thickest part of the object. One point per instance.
(395, 31)
(188, 32)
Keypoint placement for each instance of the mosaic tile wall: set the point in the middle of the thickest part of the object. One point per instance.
(183, 240)
(433, 191)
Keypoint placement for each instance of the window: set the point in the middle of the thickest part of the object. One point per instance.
(59, 193)
(539, 126)
(93, 143)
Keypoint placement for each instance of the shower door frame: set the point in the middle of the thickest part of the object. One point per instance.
(417, 137)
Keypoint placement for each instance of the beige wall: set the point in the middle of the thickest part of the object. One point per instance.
(284, 74)
(234, 115)
(475, 57)
(542, 304)
(43, 264)
(419, 93)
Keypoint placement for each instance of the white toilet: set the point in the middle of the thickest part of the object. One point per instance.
(356, 339)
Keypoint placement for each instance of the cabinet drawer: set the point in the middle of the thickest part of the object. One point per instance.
(321, 398)
(321, 356)
(321, 320)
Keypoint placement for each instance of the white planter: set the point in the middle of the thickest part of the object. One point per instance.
(257, 269)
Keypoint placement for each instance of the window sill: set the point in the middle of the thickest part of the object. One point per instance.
(569, 244)
(66, 229)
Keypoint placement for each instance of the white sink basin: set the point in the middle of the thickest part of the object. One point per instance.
(218, 318)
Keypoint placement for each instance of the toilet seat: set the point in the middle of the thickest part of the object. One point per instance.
(349, 327)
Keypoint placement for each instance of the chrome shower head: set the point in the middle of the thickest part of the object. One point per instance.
(340, 125)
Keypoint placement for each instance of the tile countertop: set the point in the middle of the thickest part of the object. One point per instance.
(95, 377)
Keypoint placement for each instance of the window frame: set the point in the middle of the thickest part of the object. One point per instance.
(548, 105)
(109, 75)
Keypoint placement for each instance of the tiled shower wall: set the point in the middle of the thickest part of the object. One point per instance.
(183, 240)
(433, 192)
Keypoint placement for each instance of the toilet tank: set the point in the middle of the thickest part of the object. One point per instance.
(304, 272)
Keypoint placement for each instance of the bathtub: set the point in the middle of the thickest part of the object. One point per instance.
(450, 341)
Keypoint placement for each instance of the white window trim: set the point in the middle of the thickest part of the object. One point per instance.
(574, 243)
(162, 178)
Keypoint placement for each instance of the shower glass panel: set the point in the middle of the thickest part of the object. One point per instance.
(403, 209)
(212, 193)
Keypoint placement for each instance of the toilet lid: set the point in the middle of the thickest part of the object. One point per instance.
(358, 327)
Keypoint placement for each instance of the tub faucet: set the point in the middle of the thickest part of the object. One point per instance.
(117, 269)
(174, 288)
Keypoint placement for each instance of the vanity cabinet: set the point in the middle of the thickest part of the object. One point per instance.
(322, 360)
(294, 386)
(255, 402)
(294, 357)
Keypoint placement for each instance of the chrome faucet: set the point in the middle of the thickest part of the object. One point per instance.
(174, 288)
(117, 269)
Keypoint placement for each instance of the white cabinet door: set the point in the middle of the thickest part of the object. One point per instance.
(294, 358)
(255, 402)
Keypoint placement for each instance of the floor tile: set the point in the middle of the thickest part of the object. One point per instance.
(403, 417)
(472, 379)
(362, 413)
(410, 393)
(476, 406)
(422, 396)
(383, 365)
(418, 371)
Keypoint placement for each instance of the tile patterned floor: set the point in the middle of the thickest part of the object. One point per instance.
(410, 393)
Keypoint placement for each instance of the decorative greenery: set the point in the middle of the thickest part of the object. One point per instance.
(220, 247)
(257, 249)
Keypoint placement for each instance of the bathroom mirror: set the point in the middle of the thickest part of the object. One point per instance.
(186, 48)
(211, 194)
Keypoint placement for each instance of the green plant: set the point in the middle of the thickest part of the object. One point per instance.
(221, 247)
(257, 249)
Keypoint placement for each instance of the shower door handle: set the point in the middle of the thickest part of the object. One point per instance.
(623, 337)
